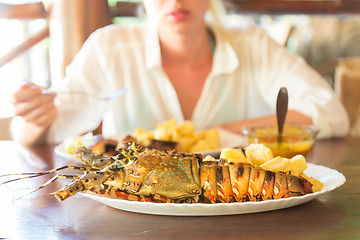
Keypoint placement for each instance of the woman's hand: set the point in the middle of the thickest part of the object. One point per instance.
(33, 106)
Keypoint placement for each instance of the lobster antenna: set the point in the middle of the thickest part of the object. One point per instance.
(51, 180)
(84, 169)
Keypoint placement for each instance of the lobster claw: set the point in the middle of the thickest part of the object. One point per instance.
(89, 180)
(85, 182)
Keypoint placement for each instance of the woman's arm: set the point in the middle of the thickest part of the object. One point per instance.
(291, 117)
(28, 134)
(309, 93)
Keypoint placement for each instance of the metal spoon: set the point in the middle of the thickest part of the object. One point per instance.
(106, 98)
(281, 111)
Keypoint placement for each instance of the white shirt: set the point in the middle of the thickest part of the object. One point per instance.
(243, 83)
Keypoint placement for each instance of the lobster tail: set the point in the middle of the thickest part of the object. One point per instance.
(240, 177)
(218, 181)
(226, 183)
(257, 177)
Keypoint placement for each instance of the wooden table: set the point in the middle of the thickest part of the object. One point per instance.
(334, 215)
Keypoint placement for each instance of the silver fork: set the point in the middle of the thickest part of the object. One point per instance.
(107, 98)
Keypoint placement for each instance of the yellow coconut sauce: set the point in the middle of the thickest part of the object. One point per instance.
(296, 140)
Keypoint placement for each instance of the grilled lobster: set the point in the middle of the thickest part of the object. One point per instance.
(141, 174)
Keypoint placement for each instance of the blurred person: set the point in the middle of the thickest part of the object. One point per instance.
(179, 65)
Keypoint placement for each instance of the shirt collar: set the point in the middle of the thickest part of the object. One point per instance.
(152, 47)
(224, 61)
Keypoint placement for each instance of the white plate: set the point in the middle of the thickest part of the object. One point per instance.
(331, 178)
(227, 140)
(62, 153)
(85, 140)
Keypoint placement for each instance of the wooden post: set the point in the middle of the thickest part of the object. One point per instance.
(71, 22)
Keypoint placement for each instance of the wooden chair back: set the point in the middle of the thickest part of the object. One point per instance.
(347, 87)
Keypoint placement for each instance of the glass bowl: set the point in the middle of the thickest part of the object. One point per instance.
(297, 138)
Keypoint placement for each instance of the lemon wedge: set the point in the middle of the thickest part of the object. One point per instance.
(258, 153)
(233, 155)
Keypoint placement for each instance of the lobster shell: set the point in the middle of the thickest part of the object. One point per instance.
(224, 182)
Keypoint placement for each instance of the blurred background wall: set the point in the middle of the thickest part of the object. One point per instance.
(40, 38)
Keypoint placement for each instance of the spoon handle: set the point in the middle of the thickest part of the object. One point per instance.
(281, 111)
